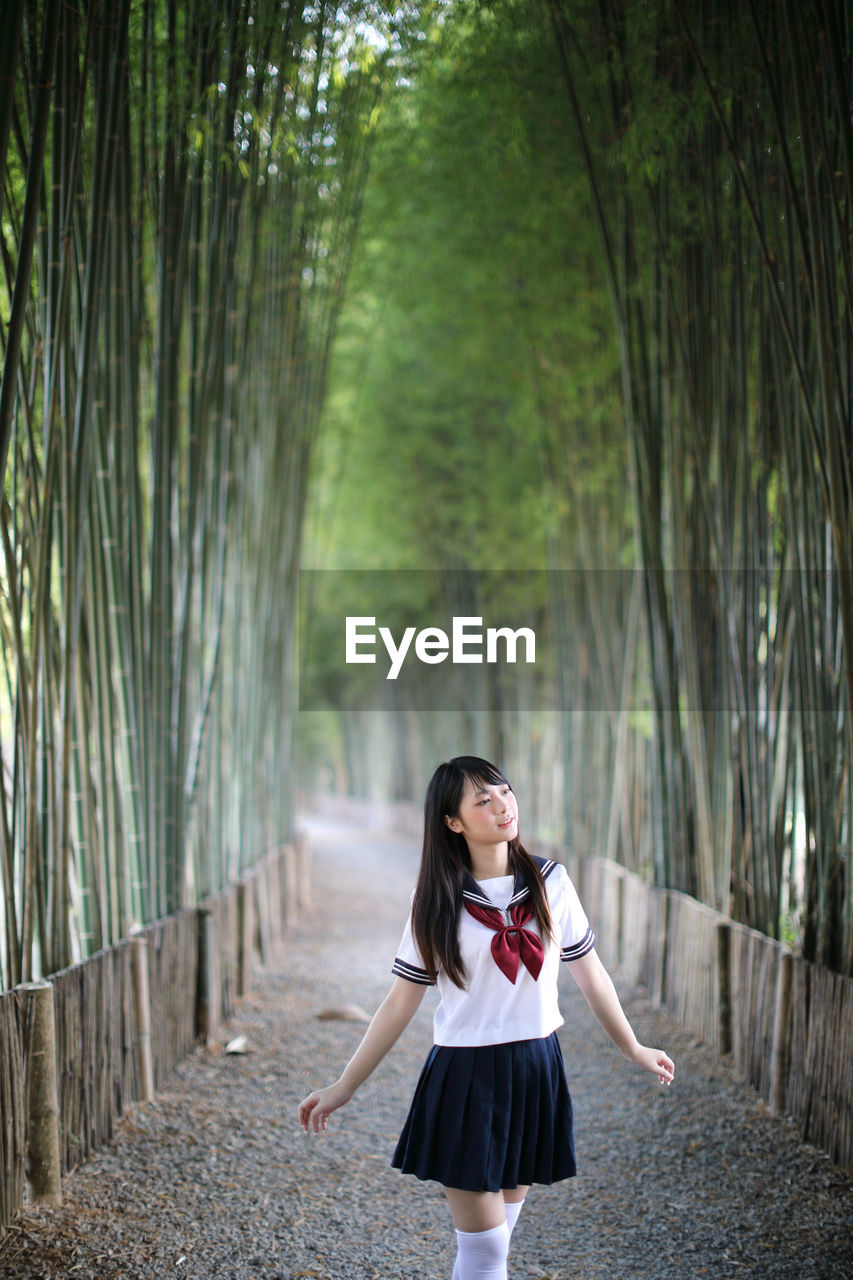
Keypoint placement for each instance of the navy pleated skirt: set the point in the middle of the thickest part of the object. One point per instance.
(490, 1117)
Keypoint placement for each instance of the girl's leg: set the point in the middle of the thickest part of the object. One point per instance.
(484, 1222)
(513, 1202)
(482, 1234)
(476, 1210)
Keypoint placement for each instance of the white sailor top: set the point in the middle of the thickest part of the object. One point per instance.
(493, 1009)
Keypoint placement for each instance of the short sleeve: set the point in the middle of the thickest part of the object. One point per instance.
(576, 936)
(408, 963)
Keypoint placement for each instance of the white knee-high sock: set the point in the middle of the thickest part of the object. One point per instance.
(513, 1209)
(482, 1254)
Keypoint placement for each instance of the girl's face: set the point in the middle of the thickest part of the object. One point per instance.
(488, 813)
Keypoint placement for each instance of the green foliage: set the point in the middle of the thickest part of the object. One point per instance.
(203, 169)
(474, 322)
(473, 421)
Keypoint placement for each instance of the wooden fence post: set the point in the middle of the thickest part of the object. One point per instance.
(781, 1053)
(205, 993)
(263, 903)
(661, 941)
(245, 937)
(142, 1006)
(724, 989)
(620, 920)
(291, 901)
(303, 854)
(276, 899)
(44, 1169)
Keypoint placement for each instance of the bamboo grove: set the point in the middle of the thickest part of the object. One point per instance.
(638, 278)
(718, 145)
(181, 184)
(695, 158)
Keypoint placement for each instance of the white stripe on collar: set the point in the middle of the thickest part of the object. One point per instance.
(472, 893)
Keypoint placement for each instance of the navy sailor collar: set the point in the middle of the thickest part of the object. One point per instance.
(471, 891)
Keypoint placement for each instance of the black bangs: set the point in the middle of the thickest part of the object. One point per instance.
(478, 770)
(447, 786)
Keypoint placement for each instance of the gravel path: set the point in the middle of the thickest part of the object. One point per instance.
(215, 1179)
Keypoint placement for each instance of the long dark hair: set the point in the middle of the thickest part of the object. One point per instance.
(445, 860)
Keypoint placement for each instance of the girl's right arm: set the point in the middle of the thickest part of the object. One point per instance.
(390, 1020)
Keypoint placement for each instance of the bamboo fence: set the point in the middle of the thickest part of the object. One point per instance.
(173, 978)
(755, 968)
(95, 1045)
(197, 961)
(787, 1023)
(690, 985)
(603, 882)
(12, 1115)
(820, 1082)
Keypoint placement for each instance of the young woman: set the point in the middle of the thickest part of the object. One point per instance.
(489, 926)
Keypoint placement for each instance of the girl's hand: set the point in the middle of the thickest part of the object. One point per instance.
(391, 1018)
(656, 1061)
(318, 1106)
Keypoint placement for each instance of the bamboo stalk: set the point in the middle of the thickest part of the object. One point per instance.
(29, 224)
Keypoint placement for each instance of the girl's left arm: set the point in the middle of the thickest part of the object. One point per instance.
(596, 984)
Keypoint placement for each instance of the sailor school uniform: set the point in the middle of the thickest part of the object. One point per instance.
(492, 1109)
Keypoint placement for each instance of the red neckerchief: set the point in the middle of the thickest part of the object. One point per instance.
(512, 943)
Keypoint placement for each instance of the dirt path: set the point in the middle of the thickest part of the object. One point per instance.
(215, 1179)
